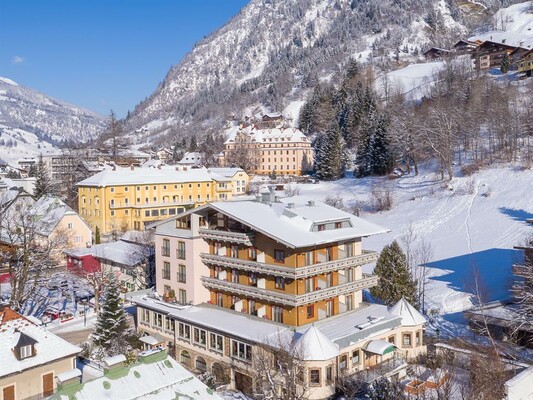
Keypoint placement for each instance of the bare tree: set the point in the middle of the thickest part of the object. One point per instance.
(280, 370)
(113, 138)
(143, 272)
(244, 154)
(29, 254)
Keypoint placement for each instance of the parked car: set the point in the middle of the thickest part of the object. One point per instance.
(51, 314)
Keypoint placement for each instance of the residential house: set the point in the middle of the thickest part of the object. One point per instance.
(436, 53)
(516, 55)
(132, 263)
(122, 199)
(194, 158)
(165, 154)
(154, 375)
(465, 47)
(238, 176)
(490, 54)
(525, 64)
(54, 217)
(234, 277)
(30, 357)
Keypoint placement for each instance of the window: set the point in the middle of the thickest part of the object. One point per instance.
(308, 257)
(182, 296)
(314, 377)
(235, 275)
(417, 338)
(280, 282)
(355, 358)
(199, 336)
(220, 299)
(234, 251)
(277, 313)
(185, 358)
(253, 278)
(251, 307)
(329, 279)
(184, 331)
(166, 270)
(310, 311)
(169, 324)
(216, 342)
(329, 308)
(392, 339)
(69, 225)
(321, 227)
(26, 351)
(112, 190)
(309, 284)
(279, 255)
(180, 251)
(182, 274)
(147, 213)
(200, 364)
(343, 362)
(145, 315)
(155, 213)
(158, 320)
(165, 249)
(406, 340)
(126, 189)
(329, 374)
(241, 350)
(138, 188)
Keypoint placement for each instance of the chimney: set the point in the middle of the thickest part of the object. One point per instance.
(159, 166)
(290, 205)
(132, 167)
(184, 168)
(114, 168)
(311, 203)
(177, 168)
(272, 194)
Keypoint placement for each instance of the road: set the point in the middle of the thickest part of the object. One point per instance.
(76, 337)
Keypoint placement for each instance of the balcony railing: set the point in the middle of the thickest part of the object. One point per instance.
(246, 239)
(290, 272)
(291, 299)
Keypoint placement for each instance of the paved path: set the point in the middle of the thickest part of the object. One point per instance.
(75, 337)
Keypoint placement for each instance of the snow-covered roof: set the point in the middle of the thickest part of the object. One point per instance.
(315, 346)
(68, 375)
(114, 360)
(293, 226)
(192, 158)
(164, 379)
(379, 346)
(410, 315)
(268, 135)
(227, 172)
(120, 252)
(48, 347)
(143, 176)
(49, 211)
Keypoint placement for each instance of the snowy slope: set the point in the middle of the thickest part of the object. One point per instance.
(472, 227)
(269, 54)
(18, 143)
(51, 120)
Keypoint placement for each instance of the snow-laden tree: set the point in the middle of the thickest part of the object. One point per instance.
(112, 333)
(331, 158)
(43, 183)
(395, 280)
(383, 389)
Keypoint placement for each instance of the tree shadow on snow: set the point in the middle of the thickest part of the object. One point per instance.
(517, 215)
(486, 275)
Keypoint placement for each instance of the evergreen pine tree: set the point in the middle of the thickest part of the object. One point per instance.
(505, 63)
(97, 239)
(193, 145)
(43, 183)
(112, 332)
(395, 279)
(332, 156)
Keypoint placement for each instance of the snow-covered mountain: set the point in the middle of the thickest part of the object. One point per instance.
(42, 118)
(268, 56)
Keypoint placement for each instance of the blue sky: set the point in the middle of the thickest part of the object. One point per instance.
(102, 54)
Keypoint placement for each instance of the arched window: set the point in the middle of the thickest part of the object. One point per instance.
(200, 364)
(185, 358)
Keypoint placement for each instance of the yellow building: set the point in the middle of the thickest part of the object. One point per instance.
(122, 199)
(525, 65)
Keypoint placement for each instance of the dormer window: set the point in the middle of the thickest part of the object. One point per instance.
(321, 227)
(26, 351)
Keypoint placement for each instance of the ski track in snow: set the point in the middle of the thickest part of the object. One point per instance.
(467, 219)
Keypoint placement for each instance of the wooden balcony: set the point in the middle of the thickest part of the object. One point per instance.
(246, 239)
(289, 272)
(292, 300)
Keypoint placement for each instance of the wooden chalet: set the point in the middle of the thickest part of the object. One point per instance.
(525, 64)
(465, 47)
(436, 53)
(490, 54)
(516, 55)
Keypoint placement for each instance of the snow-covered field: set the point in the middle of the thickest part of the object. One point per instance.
(472, 224)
